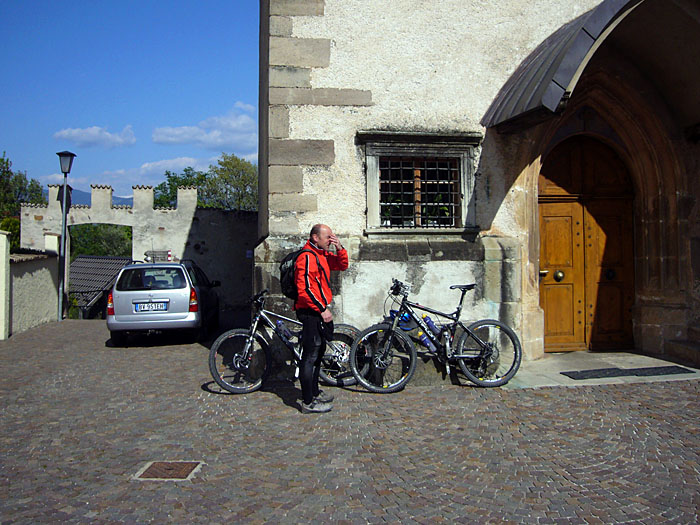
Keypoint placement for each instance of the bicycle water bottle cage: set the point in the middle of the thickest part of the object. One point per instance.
(406, 322)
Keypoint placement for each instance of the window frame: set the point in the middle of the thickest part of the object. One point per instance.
(385, 144)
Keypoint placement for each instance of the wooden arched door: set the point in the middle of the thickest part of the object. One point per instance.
(586, 248)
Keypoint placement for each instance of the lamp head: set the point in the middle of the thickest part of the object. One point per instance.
(66, 158)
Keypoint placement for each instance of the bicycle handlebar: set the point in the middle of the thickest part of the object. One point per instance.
(399, 288)
(257, 297)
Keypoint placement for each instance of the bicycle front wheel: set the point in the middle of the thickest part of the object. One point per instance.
(382, 360)
(239, 361)
(489, 354)
(335, 365)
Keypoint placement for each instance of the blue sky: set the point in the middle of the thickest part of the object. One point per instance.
(133, 88)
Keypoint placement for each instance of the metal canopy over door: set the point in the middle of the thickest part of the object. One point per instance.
(586, 248)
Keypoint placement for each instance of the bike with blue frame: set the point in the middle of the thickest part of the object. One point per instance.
(383, 358)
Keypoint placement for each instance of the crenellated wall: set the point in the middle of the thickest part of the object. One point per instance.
(152, 228)
(219, 241)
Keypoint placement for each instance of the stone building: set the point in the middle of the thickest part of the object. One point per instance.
(547, 151)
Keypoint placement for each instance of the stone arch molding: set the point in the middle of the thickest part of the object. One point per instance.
(152, 228)
(607, 110)
(640, 130)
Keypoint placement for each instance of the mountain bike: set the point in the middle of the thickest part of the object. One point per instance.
(239, 359)
(383, 357)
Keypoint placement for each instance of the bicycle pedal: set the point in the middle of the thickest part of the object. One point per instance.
(447, 367)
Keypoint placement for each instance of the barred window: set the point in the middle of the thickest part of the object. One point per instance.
(419, 192)
(419, 182)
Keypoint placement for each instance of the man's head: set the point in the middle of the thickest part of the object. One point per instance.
(321, 236)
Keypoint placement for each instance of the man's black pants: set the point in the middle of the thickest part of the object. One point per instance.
(313, 348)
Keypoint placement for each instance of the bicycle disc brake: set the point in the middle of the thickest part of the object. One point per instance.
(240, 362)
(339, 354)
(382, 360)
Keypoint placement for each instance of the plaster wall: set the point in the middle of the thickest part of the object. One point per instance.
(4, 284)
(33, 291)
(428, 69)
(406, 67)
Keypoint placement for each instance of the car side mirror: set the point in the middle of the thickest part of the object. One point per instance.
(215, 283)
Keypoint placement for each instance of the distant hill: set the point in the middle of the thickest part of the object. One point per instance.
(84, 197)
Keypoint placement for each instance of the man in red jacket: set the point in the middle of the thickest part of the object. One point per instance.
(312, 277)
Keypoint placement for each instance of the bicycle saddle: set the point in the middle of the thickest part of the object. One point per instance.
(463, 286)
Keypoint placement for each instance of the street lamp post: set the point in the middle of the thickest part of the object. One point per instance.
(66, 158)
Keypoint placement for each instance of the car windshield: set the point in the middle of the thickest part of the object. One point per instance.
(151, 279)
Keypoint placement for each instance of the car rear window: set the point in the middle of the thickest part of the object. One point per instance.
(151, 279)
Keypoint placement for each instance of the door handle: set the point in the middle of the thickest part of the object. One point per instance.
(558, 276)
(543, 273)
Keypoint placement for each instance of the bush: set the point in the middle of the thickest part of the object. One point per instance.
(11, 224)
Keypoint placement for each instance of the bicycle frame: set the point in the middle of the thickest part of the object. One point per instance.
(267, 317)
(410, 307)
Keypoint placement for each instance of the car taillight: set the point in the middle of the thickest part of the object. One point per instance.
(110, 304)
(194, 304)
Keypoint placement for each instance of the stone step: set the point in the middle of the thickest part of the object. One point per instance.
(685, 351)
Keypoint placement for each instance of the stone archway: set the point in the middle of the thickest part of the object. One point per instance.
(605, 107)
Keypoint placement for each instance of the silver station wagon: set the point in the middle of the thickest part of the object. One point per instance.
(161, 296)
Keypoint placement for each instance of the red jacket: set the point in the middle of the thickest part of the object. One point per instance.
(313, 283)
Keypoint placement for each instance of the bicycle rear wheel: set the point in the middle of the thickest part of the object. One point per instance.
(335, 365)
(382, 361)
(491, 356)
(239, 361)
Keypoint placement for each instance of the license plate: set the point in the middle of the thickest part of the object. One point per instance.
(151, 307)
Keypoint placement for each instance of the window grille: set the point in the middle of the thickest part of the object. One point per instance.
(420, 192)
(419, 182)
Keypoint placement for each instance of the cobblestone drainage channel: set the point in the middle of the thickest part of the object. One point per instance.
(168, 471)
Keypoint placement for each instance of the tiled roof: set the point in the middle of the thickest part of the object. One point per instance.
(90, 275)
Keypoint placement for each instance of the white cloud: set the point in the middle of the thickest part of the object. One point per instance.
(244, 107)
(234, 131)
(251, 157)
(161, 166)
(57, 178)
(97, 136)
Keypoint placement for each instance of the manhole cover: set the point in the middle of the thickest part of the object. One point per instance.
(168, 470)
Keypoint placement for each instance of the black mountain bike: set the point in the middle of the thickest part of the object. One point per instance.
(383, 357)
(239, 360)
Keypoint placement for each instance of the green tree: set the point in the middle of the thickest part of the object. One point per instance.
(11, 224)
(165, 194)
(15, 189)
(232, 184)
(100, 239)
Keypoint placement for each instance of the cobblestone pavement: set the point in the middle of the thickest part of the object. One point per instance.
(79, 419)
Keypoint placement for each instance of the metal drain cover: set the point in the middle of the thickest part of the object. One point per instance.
(168, 470)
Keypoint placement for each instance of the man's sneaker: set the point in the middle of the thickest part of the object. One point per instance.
(324, 397)
(315, 407)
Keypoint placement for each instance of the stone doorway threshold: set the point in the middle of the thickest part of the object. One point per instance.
(597, 368)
